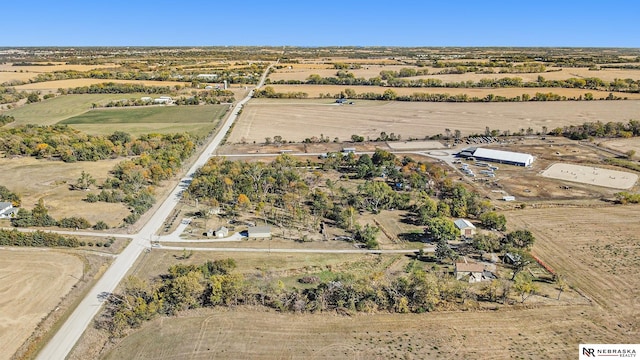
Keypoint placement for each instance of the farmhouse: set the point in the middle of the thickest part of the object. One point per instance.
(259, 232)
(7, 210)
(499, 156)
(472, 272)
(467, 229)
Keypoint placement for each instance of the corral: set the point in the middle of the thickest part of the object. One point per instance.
(591, 175)
(33, 283)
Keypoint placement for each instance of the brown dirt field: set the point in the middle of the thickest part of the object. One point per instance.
(597, 250)
(52, 68)
(623, 145)
(314, 91)
(296, 120)
(33, 179)
(33, 283)
(9, 76)
(250, 334)
(57, 84)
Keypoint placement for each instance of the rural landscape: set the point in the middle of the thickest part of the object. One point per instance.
(318, 202)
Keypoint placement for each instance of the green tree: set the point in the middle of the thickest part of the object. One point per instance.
(522, 239)
(85, 181)
(524, 286)
(367, 235)
(442, 229)
(493, 220)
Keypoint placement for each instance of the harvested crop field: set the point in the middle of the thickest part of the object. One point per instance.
(65, 84)
(591, 175)
(33, 283)
(296, 120)
(314, 91)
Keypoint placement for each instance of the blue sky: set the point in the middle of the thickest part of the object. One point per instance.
(584, 23)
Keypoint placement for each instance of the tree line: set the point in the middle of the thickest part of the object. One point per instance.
(36, 239)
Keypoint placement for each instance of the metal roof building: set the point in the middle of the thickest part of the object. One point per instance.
(499, 156)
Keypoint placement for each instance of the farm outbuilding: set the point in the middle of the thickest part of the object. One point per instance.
(499, 156)
(467, 229)
(259, 232)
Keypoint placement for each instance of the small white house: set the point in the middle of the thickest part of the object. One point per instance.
(7, 210)
(467, 229)
(259, 232)
(146, 98)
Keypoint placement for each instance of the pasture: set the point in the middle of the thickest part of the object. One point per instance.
(54, 110)
(157, 119)
(296, 120)
(550, 332)
(597, 250)
(33, 283)
(33, 179)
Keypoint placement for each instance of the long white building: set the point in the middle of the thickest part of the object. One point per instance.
(499, 156)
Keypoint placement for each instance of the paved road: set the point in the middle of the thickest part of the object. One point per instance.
(67, 336)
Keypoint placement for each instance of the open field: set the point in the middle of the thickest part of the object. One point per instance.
(591, 175)
(297, 120)
(72, 83)
(245, 333)
(50, 180)
(51, 111)
(314, 91)
(139, 120)
(623, 145)
(302, 71)
(597, 250)
(9, 73)
(33, 283)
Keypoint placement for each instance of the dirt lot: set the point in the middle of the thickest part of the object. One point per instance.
(591, 175)
(50, 180)
(33, 283)
(297, 120)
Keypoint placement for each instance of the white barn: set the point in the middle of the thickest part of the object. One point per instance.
(499, 156)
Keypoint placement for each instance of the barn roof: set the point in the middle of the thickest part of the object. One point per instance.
(506, 156)
(463, 224)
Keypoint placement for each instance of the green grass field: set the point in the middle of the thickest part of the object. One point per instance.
(76, 111)
(157, 119)
(51, 111)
